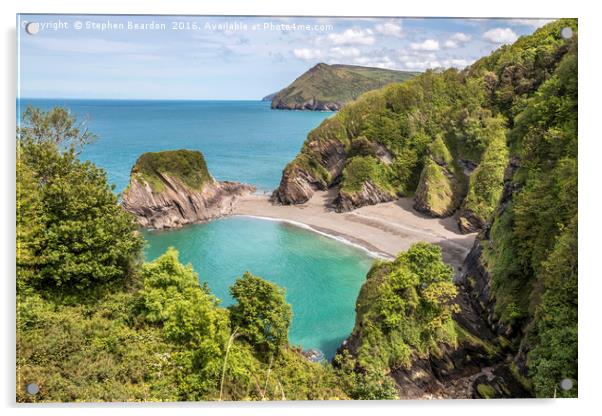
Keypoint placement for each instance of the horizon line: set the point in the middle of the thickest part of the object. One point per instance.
(139, 99)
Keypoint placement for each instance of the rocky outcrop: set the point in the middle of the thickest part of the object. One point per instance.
(370, 194)
(476, 277)
(469, 222)
(440, 190)
(462, 371)
(313, 170)
(310, 104)
(166, 201)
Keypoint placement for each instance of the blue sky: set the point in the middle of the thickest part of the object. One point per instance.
(234, 57)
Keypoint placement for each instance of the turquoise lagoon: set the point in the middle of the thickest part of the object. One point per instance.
(242, 141)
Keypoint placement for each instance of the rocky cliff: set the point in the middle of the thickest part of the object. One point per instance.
(444, 134)
(517, 295)
(173, 188)
(446, 350)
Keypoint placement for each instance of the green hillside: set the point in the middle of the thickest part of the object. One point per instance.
(329, 87)
(495, 144)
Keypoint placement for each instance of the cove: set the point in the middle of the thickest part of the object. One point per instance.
(322, 276)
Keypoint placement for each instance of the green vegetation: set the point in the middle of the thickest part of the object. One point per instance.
(186, 165)
(404, 310)
(511, 119)
(261, 312)
(458, 113)
(361, 169)
(441, 182)
(486, 391)
(71, 231)
(329, 86)
(486, 182)
(95, 324)
(534, 259)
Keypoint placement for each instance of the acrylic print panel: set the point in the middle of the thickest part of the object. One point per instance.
(295, 208)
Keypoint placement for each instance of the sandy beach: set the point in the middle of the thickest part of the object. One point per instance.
(383, 230)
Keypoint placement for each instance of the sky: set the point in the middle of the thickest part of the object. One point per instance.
(233, 58)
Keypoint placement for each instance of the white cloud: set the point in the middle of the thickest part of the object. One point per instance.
(375, 61)
(459, 63)
(500, 35)
(427, 45)
(456, 40)
(389, 29)
(534, 23)
(352, 37)
(420, 61)
(307, 54)
(344, 52)
(336, 54)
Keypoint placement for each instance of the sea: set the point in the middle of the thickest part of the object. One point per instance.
(242, 141)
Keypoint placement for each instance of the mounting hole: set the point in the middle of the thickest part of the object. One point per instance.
(32, 28)
(566, 384)
(566, 33)
(32, 388)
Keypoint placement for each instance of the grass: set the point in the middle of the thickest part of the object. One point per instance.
(186, 165)
(338, 83)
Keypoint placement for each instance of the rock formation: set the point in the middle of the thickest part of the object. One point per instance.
(160, 197)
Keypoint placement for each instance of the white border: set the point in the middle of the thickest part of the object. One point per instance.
(589, 179)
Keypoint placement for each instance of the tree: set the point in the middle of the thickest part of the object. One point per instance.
(56, 126)
(81, 236)
(261, 313)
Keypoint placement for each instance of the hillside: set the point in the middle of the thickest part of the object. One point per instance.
(329, 87)
(495, 145)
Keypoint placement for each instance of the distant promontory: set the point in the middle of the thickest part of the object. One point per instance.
(328, 87)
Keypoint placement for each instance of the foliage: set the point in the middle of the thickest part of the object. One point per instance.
(487, 180)
(71, 230)
(535, 235)
(93, 324)
(56, 126)
(261, 313)
(463, 111)
(554, 357)
(404, 310)
(187, 165)
(361, 169)
(363, 385)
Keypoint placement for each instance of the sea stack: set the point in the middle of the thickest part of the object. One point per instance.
(173, 188)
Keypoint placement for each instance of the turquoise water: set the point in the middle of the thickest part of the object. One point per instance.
(242, 141)
(322, 277)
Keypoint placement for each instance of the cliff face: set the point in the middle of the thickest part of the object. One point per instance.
(163, 199)
(444, 135)
(449, 352)
(517, 295)
(312, 170)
